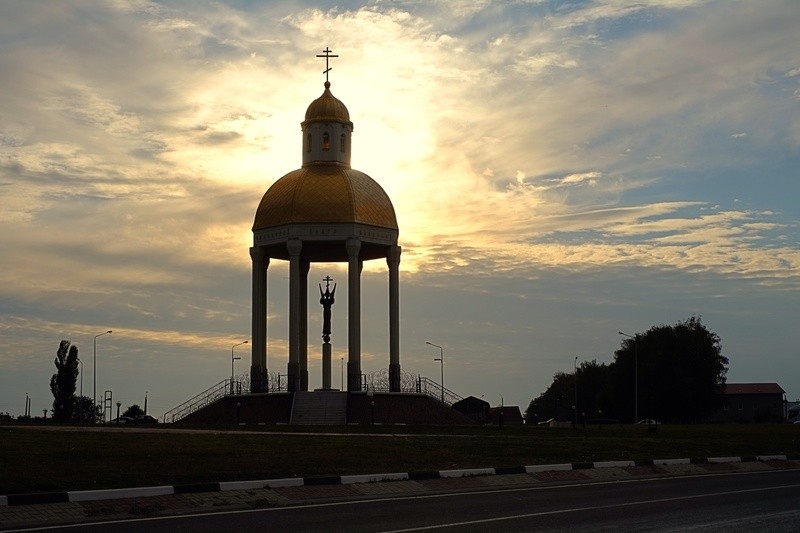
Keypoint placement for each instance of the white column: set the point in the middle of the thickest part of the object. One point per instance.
(353, 315)
(258, 360)
(393, 262)
(303, 346)
(294, 246)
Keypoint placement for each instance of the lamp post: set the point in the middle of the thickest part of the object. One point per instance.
(234, 359)
(635, 376)
(441, 363)
(94, 367)
(342, 372)
(80, 400)
(81, 362)
(576, 390)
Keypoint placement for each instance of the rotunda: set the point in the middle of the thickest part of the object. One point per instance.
(324, 211)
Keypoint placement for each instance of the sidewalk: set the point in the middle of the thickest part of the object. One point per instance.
(23, 511)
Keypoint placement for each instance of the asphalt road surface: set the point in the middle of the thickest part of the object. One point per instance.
(757, 501)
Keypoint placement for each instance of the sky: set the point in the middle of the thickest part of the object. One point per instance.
(560, 171)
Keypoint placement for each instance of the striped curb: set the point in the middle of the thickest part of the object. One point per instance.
(614, 464)
(468, 472)
(724, 459)
(114, 494)
(373, 478)
(547, 468)
(140, 492)
(667, 462)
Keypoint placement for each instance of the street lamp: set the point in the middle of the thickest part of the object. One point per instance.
(576, 390)
(635, 376)
(234, 359)
(80, 400)
(81, 362)
(94, 368)
(441, 363)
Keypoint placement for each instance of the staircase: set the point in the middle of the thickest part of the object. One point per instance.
(319, 408)
(197, 402)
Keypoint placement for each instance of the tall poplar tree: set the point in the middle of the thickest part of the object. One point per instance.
(62, 384)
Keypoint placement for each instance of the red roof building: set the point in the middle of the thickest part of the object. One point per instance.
(752, 402)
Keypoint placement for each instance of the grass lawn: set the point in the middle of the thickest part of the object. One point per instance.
(56, 459)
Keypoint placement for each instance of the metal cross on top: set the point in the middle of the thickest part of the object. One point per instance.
(327, 55)
(327, 280)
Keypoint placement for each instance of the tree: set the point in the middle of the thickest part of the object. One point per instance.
(681, 372)
(595, 393)
(555, 402)
(62, 384)
(85, 411)
(133, 411)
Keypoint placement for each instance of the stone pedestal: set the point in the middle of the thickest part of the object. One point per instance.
(326, 366)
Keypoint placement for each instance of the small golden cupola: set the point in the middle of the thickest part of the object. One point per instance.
(326, 131)
(325, 189)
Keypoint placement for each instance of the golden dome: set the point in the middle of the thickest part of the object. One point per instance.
(325, 193)
(327, 108)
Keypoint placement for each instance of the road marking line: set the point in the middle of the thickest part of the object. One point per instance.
(589, 508)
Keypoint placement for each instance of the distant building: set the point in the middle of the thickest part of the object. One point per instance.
(752, 402)
(473, 407)
(510, 413)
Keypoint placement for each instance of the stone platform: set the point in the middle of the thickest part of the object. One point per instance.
(361, 408)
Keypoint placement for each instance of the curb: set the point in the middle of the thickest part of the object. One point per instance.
(139, 492)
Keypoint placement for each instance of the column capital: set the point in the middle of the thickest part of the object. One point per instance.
(259, 255)
(393, 255)
(353, 247)
(295, 246)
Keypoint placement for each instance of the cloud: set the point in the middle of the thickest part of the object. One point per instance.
(529, 134)
(588, 177)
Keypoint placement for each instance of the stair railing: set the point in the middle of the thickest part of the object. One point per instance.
(198, 401)
(436, 391)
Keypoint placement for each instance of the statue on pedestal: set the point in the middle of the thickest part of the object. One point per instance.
(327, 300)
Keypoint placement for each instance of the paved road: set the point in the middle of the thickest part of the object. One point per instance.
(754, 501)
